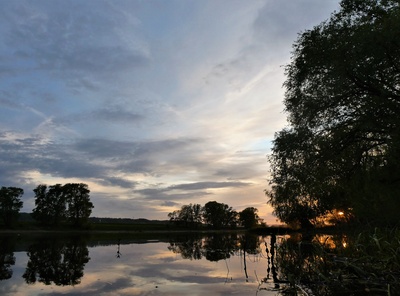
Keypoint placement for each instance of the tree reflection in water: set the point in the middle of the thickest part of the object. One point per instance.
(56, 261)
(248, 245)
(188, 246)
(214, 246)
(271, 268)
(217, 246)
(7, 258)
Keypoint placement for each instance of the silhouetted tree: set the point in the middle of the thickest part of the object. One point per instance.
(174, 216)
(189, 215)
(341, 149)
(219, 215)
(59, 202)
(79, 206)
(10, 204)
(50, 204)
(249, 217)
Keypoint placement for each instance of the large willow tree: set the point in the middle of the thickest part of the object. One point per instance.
(341, 149)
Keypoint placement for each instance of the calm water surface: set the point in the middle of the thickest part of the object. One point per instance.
(213, 264)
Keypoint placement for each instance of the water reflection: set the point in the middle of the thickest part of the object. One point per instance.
(189, 247)
(272, 269)
(56, 261)
(215, 246)
(227, 263)
(7, 258)
(335, 264)
(119, 249)
(56, 264)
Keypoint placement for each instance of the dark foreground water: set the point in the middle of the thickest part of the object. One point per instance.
(201, 264)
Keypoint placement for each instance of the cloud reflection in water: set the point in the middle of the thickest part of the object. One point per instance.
(156, 268)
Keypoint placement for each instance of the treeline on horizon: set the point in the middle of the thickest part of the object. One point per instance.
(340, 152)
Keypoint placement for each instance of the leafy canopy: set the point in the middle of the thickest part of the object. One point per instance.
(10, 204)
(57, 203)
(341, 149)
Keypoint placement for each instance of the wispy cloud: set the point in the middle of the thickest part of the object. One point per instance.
(207, 185)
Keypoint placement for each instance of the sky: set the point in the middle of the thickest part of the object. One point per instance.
(154, 104)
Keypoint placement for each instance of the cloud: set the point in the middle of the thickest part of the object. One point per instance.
(105, 149)
(185, 192)
(165, 194)
(101, 158)
(76, 42)
(8, 103)
(145, 157)
(116, 115)
(20, 155)
(207, 185)
(17, 155)
(120, 182)
(169, 204)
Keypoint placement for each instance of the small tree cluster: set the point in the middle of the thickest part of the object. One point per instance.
(188, 215)
(216, 215)
(219, 215)
(58, 203)
(249, 217)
